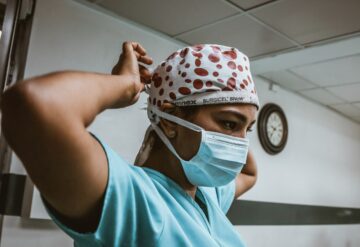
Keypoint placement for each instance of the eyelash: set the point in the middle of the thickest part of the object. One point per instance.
(234, 124)
(224, 123)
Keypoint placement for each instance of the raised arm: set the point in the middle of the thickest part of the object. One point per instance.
(247, 178)
(44, 120)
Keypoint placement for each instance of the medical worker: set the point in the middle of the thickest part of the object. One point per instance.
(194, 161)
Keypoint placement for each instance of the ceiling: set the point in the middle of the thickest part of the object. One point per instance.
(334, 83)
(270, 30)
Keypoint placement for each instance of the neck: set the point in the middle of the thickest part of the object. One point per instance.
(162, 160)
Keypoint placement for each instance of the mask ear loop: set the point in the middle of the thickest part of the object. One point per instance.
(174, 119)
(164, 139)
(154, 115)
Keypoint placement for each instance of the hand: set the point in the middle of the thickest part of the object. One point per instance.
(129, 66)
(248, 176)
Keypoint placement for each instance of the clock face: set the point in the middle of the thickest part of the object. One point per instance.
(274, 129)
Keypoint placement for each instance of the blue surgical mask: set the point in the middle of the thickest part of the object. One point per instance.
(219, 159)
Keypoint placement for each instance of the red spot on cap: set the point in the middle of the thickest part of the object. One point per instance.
(198, 47)
(240, 68)
(197, 62)
(231, 65)
(187, 65)
(161, 92)
(219, 66)
(245, 82)
(166, 78)
(234, 74)
(163, 64)
(188, 80)
(246, 67)
(172, 55)
(201, 72)
(184, 52)
(216, 74)
(157, 80)
(172, 96)
(183, 74)
(214, 58)
(242, 86)
(197, 54)
(182, 61)
(216, 48)
(209, 84)
(245, 59)
(168, 68)
(249, 78)
(231, 83)
(230, 54)
(171, 83)
(220, 80)
(198, 84)
(184, 90)
(227, 89)
(159, 103)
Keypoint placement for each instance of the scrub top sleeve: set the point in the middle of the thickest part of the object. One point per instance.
(127, 199)
(225, 195)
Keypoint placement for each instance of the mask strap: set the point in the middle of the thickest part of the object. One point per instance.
(164, 139)
(174, 119)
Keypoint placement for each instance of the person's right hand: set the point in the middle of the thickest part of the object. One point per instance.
(129, 66)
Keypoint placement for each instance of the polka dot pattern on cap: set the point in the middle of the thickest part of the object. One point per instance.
(203, 74)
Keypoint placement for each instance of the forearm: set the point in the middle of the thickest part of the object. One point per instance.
(73, 96)
(55, 109)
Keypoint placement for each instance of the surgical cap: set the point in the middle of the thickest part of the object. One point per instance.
(202, 75)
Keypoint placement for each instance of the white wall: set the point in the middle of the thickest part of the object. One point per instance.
(319, 166)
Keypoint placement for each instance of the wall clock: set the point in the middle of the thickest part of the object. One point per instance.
(272, 128)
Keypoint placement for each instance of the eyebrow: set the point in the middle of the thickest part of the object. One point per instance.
(239, 115)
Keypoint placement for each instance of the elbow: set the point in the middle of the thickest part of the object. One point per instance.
(253, 181)
(252, 178)
(15, 104)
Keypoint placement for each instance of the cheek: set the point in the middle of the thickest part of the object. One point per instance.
(187, 143)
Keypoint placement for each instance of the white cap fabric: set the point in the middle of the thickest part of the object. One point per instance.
(201, 75)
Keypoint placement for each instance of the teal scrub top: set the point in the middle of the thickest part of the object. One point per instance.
(143, 207)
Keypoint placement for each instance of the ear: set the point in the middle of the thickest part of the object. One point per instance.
(169, 128)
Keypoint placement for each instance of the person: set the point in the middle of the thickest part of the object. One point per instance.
(202, 103)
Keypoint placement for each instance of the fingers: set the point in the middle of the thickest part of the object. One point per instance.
(137, 47)
(138, 50)
(145, 59)
(132, 55)
(145, 74)
(141, 54)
